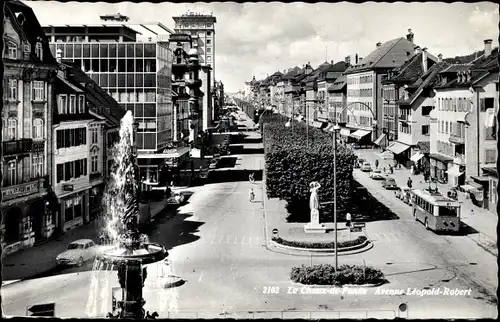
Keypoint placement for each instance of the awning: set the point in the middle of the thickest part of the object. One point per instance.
(345, 132)
(455, 171)
(359, 134)
(174, 154)
(441, 158)
(481, 178)
(416, 157)
(380, 140)
(398, 148)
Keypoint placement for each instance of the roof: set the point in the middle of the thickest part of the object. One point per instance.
(339, 84)
(95, 95)
(31, 29)
(424, 146)
(487, 63)
(390, 54)
(456, 68)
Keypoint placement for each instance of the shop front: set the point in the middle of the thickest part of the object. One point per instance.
(456, 175)
(151, 164)
(95, 201)
(401, 153)
(74, 209)
(361, 137)
(438, 166)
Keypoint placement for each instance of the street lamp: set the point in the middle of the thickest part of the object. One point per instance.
(335, 129)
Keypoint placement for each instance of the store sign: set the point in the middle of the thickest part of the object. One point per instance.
(68, 187)
(20, 190)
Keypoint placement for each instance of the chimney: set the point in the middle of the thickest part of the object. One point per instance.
(440, 58)
(356, 59)
(418, 50)
(487, 47)
(379, 44)
(424, 59)
(331, 62)
(59, 55)
(410, 36)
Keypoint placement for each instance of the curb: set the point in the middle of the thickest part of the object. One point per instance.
(278, 249)
(321, 250)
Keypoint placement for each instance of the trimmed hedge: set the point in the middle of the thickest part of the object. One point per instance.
(326, 274)
(291, 164)
(319, 245)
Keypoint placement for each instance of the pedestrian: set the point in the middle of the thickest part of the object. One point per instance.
(252, 195)
(251, 178)
(348, 219)
(391, 169)
(384, 169)
(409, 182)
(376, 164)
(412, 169)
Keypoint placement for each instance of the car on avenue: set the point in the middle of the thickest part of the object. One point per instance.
(389, 184)
(177, 196)
(377, 175)
(366, 167)
(359, 163)
(77, 253)
(403, 194)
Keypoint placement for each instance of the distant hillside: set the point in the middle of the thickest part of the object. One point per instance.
(464, 59)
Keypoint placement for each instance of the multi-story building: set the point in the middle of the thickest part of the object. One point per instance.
(136, 72)
(291, 91)
(208, 101)
(337, 99)
(364, 86)
(405, 121)
(326, 79)
(28, 77)
(481, 127)
(219, 100)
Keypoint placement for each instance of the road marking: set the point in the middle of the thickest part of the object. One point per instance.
(221, 238)
(394, 236)
(201, 275)
(213, 239)
(377, 236)
(257, 240)
(249, 240)
(235, 239)
(228, 237)
(243, 240)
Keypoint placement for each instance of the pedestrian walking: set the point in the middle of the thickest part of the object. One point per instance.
(376, 164)
(252, 195)
(348, 219)
(409, 182)
(391, 169)
(251, 178)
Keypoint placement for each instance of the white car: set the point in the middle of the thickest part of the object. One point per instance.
(77, 253)
(377, 175)
(366, 167)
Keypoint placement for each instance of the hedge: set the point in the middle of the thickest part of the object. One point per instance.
(325, 274)
(330, 245)
(291, 164)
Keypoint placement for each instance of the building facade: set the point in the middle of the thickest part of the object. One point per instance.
(136, 74)
(29, 75)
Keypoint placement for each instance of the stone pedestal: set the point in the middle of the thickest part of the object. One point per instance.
(314, 227)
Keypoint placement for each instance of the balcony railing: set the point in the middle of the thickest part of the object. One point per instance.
(403, 117)
(457, 139)
(17, 146)
(95, 176)
(22, 189)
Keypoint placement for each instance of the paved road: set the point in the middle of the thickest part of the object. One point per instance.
(215, 244)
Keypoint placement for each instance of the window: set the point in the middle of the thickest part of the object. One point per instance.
(425, 129)
(94, 162)
(446, 127)
(12, 50)
(12, 128)
(490, 156)
(63, 104)
(209, 50)
(38, 91)
(209, 33)
(81, 102)
(12, 173)
(488, 103)
(426, 110)
(37, 129)
(209, 41)
(72, 104)
(39, 50)
(37, 166)
(13, 89)
(94, 136)
(209, 59)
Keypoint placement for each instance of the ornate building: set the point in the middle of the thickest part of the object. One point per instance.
(29, 73)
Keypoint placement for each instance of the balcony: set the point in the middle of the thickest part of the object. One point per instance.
(457, 139)
(193, 82)
(459, 159)
(20, 146)
(22, 189)
(38, 146)
(403, 117)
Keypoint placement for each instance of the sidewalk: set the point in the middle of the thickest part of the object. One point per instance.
(482, 220)
(36, 260)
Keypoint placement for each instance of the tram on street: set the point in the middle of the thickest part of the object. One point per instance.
(437, 212)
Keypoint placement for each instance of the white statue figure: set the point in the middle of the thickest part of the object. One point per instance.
(314, 201)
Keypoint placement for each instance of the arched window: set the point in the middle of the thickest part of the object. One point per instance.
(12, 50)
(37, 129)
(12, 173)
(12, 128)
(39, 50)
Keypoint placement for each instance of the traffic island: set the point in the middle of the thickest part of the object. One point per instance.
(345, 247)
(345, 275)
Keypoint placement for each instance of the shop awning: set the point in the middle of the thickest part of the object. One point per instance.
(178, 153)
(398, 148)
(345, 132)
(490, 118)
(416, 157)
(386, 155)
(481, 178)
(380, 140)
(455, 171)
(359, 134)
(441, 158)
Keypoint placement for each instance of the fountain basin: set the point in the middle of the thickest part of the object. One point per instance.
(147, 253)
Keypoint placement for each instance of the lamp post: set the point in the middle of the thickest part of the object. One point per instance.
(335, 129)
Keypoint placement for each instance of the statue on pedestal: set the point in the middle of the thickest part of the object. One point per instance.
(314, 201)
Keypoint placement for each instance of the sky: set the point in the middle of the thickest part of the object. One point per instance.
(258, 39)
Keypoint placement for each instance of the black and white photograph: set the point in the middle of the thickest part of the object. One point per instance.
(252, 160)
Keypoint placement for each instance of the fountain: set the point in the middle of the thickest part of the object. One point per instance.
(129, 250)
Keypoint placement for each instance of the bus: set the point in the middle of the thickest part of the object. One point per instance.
(437, 212)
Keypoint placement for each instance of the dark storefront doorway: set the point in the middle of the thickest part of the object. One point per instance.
(12, 223)
(37, 211)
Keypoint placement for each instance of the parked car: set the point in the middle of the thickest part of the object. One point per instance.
(359, 163)
(403, 193)
(389, 184)
(377, 175)
(177, 197)
(77, 253)
(366, 167)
